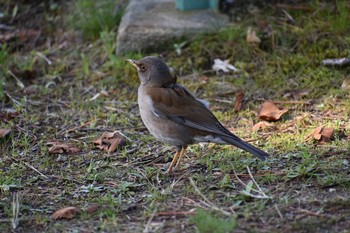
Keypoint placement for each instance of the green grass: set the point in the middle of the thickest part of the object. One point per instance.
(4, 57)
(205, 222)
(94, 17)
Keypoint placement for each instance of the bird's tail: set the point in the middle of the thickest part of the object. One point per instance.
(234, 140)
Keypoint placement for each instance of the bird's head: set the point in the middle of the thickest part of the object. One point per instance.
(153, 72)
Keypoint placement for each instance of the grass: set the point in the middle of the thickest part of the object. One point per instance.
(92, 18)
(307, 182)
(206, 222)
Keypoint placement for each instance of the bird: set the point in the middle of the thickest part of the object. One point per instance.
(173, 115)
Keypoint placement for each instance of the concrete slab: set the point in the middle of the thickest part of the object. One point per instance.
(146, 24)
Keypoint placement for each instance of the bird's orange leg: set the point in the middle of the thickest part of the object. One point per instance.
(181, 156)
(170, 169)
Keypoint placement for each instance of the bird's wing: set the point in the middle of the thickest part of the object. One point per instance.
(176, 103)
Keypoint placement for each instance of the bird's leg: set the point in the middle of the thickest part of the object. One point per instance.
(181, 156)
(178, 150)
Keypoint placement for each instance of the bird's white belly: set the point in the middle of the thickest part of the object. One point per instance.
(162, 129)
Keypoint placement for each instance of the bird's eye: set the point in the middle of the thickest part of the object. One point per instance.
(143, 68)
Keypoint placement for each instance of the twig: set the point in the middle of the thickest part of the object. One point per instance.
(175, 213)
(66, 178)
(74, 128)
(311, 213)
(261, 194)
(294, 7)
(289, 17)
(191, 202)
(44, 57)
(211, 205)
(292, 102)
(278, 211)
(256, 184)
(240, 181)
(36, 170)
(17, 103)
(18, 82)
(15, 210)
(263, 175)
(123, 135)
(223, 101)
(146, 230)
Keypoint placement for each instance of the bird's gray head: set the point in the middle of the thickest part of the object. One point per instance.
(153, 72)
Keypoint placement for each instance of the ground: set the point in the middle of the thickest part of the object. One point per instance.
(61, 81)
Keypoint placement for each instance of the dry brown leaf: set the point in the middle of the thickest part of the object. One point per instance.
(346, 85)
(8, 114)
(262, 125)
(4, 132)
(93, 208)
(61, 147)
(322, 134)
(252, 37)
(66, 213)
(270, 112)
(22, 35)
(109, 141)
(239, 101)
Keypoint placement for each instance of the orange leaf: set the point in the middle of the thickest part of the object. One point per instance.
(239, 101)
(109, 141)
(67, 213)
(93, 208)
(60, 147)
(4, 132)
(322, 134)
(270, 112)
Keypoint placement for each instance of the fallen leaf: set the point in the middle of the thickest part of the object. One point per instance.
(19, 36)
(262, 125)
(8, 114)
(27, 35)
(296, 94)
(270, 112)
(346, 85)
(252, 37)
(93, 208)
(322, 134)
(4, 132)
(66, 213)
(61, 147)
(239, 101)
(109, 141)
(225, 66)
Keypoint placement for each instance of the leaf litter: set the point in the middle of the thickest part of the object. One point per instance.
(58, 147)
(110, 141)
(270, 112)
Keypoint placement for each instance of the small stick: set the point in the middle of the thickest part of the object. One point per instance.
(146, 230)
(15, 210)
(214, 207)
(36, 170)
(278, 211)
(259, 190)
(292, 102)
(44, 57)
(256, 184)
(175, 213)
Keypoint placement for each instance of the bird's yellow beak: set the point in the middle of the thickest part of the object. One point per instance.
(134, 63)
